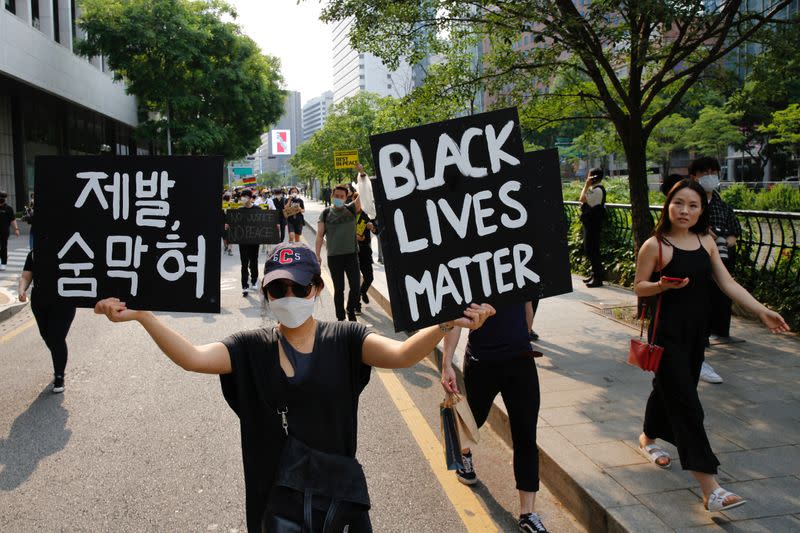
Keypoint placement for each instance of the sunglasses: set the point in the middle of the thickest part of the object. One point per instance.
(279, 288)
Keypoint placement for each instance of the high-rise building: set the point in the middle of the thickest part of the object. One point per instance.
(315, 112)
(354, 72)
(53, 102)
(273, 156)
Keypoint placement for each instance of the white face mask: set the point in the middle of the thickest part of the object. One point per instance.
(290, 310)
(709, 182)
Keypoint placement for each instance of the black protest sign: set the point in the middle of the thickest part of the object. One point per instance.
(549, 230)
(456, 201)
(143, 229)
(253, 226)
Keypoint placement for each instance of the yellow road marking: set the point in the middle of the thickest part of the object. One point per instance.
(16, 331)
(469, 508)
(466, 504)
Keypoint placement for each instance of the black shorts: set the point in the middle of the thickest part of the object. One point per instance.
(295, 227)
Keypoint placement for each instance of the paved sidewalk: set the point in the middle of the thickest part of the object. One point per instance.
(592, 410)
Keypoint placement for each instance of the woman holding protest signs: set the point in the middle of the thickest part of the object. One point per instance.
(295, 388)
(294, 210)
(679, 264)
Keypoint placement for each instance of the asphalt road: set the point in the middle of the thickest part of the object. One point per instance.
(138, 444)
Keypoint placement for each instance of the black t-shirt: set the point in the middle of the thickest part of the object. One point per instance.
(279, 203)
(322, 404)
(502, 337)
(7, 215)
(362, 219)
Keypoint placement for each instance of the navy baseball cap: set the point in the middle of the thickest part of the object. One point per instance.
(295, 262)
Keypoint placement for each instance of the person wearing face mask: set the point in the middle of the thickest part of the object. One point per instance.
(313, 371)
(248, 253)
(8, 219)
(337, 226)
(725, 230)
(593, 209)
(296, 221)
(280, 202)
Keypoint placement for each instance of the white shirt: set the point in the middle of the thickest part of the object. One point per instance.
(594, 197)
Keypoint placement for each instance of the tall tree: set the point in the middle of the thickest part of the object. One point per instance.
(667, 137)
(195, 75)
(713, 131)
(635, 58)
(785, 127)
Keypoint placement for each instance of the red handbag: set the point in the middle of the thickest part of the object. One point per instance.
(647, 356)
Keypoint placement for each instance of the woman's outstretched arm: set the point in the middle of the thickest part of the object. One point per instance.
(210, 358)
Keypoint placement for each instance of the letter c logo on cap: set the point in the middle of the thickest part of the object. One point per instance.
(286, 256)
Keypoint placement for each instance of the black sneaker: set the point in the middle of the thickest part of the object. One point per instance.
(531, 523)
(358, 311)
(244, 292)
(467, 475)
(364, 297)
(532, 335)
(352, 318)
(58, 384)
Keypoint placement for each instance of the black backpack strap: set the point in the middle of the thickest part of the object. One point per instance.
(331, 516)
(308, 523)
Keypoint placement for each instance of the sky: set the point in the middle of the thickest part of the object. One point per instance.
(294, 34)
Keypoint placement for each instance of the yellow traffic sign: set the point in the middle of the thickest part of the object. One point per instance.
(345, 158)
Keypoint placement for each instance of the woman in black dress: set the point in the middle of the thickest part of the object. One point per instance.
(690, 263)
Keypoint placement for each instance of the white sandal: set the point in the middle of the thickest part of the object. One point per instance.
(654, 452)
(716, 500)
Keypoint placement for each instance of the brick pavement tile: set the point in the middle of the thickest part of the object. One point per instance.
(624, 408)
(594, 432)
(611, 454)
(778, 524)
(563, 416)
(648, 478)
(572, 397)
(678, 508)
(636, 518)
(762, 463)
(749, 435)
(720, 444)
(765, 497)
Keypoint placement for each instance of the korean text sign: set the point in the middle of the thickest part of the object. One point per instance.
(458, 207)
(143, 229)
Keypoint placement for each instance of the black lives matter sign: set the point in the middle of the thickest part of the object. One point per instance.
(144, 229)
(459, 206)
(253, 226)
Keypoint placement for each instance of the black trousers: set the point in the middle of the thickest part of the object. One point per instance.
(342, 266)
(54, 322)
(4, 247)
(365, 265)
(282, 224)
(674, 412)
(591, 247)
(248, 254)
(720, 319)
(518, 382)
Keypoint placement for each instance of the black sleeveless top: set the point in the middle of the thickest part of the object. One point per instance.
(684, 312)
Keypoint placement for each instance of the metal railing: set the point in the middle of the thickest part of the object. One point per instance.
(768, 245)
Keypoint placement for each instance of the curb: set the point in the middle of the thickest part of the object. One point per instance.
(9, 310)
(590, 512)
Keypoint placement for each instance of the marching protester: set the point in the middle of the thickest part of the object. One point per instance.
(498, 359)
(725, 229)
(295, 388)
(295, 221)
(53, 320)
(28, 219)
(337, 228)
(279, 202)
(248, 253)
(8, 219)
(593, 209)
(226, 200)
(365, 227)
(679, 264)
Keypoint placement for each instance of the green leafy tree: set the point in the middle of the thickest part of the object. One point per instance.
(198, 80)
(713, 131)
(785, 128)
(667, 137)
(772, 83)
(627, 61)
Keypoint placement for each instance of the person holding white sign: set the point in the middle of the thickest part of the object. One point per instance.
(313, 371)
(499, 360)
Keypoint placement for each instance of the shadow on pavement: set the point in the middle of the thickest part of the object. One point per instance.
(37, 433)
